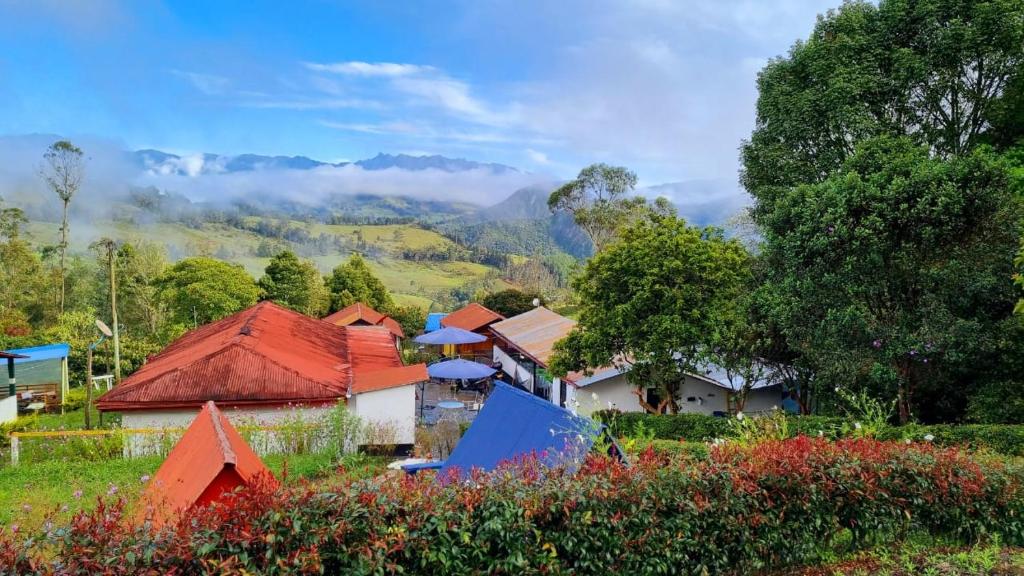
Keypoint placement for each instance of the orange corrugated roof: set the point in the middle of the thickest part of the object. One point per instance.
(264, 355)
(471, 317)
(209, 460)
(354, 313)
(360, 312)
(534, 332)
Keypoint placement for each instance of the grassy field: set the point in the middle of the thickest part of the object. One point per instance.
(31, 494)
(412, 282)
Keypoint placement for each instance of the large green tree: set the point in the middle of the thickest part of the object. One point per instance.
(353, 282)
(892, 273)
(934, 71)
(652, 301)
(600, 200)
(511, 302)
(295, 284)
(200, 290)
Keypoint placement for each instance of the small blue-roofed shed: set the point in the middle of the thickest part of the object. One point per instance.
(513, 424)
(43, 366)
(434, 321)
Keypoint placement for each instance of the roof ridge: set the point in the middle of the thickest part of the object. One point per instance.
(227, 451)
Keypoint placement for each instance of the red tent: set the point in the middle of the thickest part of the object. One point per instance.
(209, 461)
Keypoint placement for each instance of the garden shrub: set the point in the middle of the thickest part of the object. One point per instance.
(1006, 439)
(741, 510)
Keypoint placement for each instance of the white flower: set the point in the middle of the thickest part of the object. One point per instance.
(907, 441)
(856, 425)
(837, 388)
(739, 415)
(929, 437)
(821, 433)
(594, 396)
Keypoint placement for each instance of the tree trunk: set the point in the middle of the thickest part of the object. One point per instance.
(111, 253)
(63, 256)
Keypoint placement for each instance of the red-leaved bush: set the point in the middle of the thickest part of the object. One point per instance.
(742, 509)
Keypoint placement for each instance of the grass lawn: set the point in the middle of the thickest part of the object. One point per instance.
(31, 492)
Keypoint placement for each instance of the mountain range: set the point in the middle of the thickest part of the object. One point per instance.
(165, 163)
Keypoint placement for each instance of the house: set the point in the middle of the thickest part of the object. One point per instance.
(515, 424)
(209, 461)
(266, 363)
(360, 314)
(710, 392)
(523, 346)
(474, 318)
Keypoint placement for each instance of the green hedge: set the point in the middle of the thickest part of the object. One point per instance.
(1007, 439)
(741, 510)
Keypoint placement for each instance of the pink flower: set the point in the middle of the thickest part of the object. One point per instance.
(77, 494)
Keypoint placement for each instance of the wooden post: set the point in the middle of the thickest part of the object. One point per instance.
(15, 447)
(88, 388)
(12, 387)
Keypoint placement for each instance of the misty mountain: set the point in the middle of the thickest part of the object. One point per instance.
(530, 203)
(164, 163)
(703, 202)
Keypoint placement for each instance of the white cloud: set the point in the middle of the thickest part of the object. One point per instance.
(313, 186)
(357, 68)
(537, 157)
(209, 84)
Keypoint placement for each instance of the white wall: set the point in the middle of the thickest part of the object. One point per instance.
(707, 398)
(615, 390)
(391, 407)
(261, 442)
(9, 409)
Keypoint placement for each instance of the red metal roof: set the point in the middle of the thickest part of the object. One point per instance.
(265, 355)
(389, 378)
(360, 313)
(471, 317)
(535, 332)
(210, 460)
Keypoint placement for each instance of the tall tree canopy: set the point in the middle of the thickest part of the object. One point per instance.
(931, 70)
(200, 290)
(600, 201)
(511, 302)
(295, 284)
(894, 271)
(353, 282)
(63, 173)
(652, 300)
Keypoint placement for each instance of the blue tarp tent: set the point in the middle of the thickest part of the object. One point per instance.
(514, 423)
(434, 321)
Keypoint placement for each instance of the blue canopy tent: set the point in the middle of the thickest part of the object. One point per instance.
(513, 424)
(43, 365)
(459, 369)
(450, 335)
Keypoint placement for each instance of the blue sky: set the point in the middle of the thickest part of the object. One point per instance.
(665, 87)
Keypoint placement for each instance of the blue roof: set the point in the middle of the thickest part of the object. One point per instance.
(514, 423)
(37, 353)
(434, 321)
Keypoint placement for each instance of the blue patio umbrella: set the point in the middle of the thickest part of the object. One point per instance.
(450, 335)
(460, 369)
